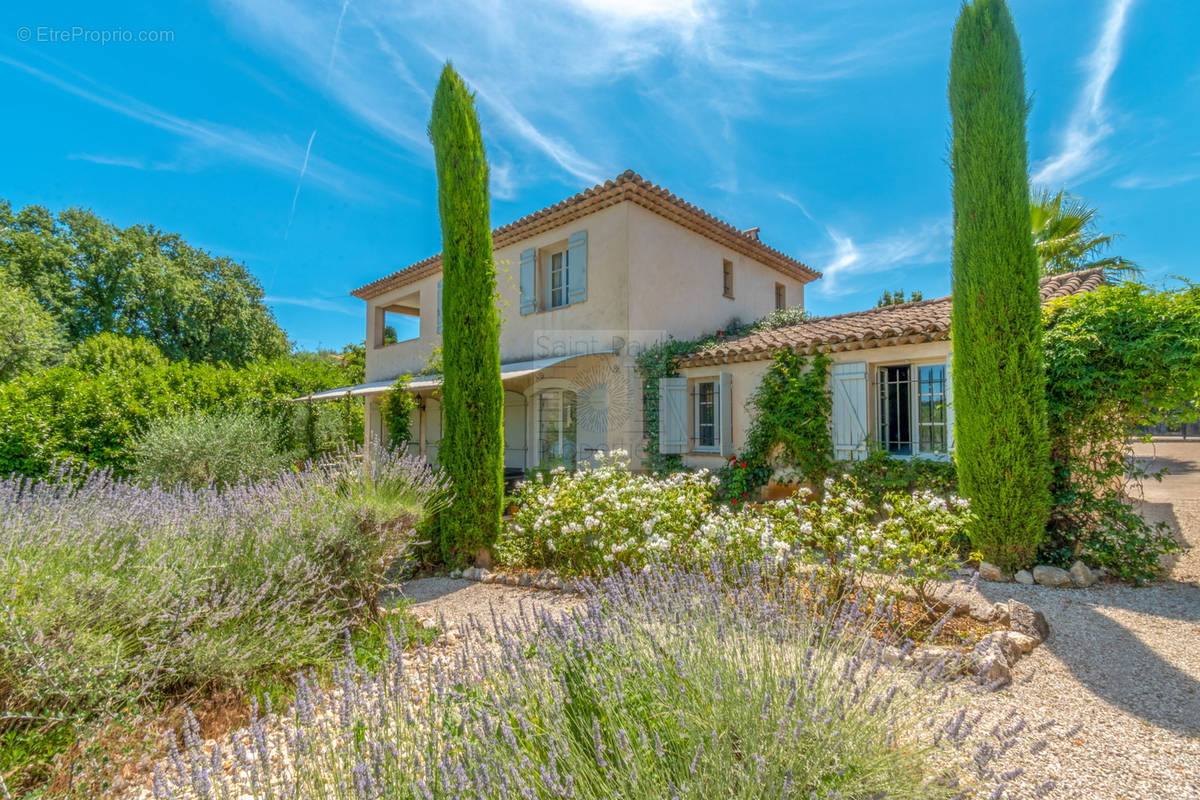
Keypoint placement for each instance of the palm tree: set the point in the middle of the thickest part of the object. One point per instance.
(1066, 240)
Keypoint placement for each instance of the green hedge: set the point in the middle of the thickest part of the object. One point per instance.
(94, 407)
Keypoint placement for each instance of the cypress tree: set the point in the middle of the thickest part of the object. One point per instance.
(1001, 442)
(472, 447)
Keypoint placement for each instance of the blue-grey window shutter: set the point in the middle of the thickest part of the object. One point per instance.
(439, 305)
(672, 415)
(528, 281)
(725, 412)
(577, 267)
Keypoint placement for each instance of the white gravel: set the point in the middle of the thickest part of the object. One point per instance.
(1124, 662)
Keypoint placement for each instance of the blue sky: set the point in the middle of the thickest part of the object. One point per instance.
(291, 134)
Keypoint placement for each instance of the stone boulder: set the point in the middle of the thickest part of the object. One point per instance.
(1024, 577)
(990, 572)
(1081, 576)
(993, 658)
(1020, 641)
(1051, 576)
(1023, 619)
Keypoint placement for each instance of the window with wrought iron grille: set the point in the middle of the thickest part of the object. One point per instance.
(706, 416)
(912, 416)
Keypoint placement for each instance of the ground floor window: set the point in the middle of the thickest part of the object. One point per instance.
(705, 413)
(557, 429)
(912, 409)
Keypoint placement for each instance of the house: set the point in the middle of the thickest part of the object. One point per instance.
(583, 286)
(891, 379)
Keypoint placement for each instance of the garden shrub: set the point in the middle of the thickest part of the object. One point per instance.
(880, 473)
(207, 449)
(472, 448)
(112, 593)
(603, 517)
(93, 408)
(29, 336)
(1116, 358)
(1000, 433)
(599, 520)
(667, 684)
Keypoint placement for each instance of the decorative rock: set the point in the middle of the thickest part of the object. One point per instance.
(1022, 642)
(993, 658)
(486, 575)
(999, 613)
(1051, 576)
(889, 654)
(1081, 576)
(1024, 619)
(1024, 577)
(525, 579)
(990, 572)
(559, 583)
(512, 579)
(456, 573)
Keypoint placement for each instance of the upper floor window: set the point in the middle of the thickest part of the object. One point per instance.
(780, 297)
(555, 276)
(727, 278)
(558, 275)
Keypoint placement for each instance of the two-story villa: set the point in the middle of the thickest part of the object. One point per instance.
(583, 285)
(587, 283)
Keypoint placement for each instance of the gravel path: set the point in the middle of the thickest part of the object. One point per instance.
(455, 601)
(1122, 662)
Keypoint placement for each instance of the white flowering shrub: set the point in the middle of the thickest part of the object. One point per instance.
(598, 519)
(594, 521)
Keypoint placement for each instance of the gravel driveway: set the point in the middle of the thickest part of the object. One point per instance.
(1122, 662)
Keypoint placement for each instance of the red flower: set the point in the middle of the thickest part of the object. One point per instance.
(743, 494)
(735, 501)
(743, 465)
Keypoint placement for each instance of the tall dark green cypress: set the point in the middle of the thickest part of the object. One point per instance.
(472, 447)
(1001, 442)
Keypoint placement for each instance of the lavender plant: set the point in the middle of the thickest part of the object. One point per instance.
(113, 592)
(666, 684)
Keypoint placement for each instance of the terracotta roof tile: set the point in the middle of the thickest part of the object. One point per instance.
(627, 186)
(922, 321)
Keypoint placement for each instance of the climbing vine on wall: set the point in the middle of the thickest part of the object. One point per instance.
(659, 362)
(789, 413)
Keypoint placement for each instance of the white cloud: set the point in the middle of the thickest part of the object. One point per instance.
(542, 71)
(1146, 181)
(929, 243)
(1080, 145)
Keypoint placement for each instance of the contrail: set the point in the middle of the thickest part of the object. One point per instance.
(337, 32)
(299, 181)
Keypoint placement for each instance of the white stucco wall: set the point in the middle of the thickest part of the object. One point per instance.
(676, 280)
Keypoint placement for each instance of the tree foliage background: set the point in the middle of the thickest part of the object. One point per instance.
(1001, 442)
(93, 277)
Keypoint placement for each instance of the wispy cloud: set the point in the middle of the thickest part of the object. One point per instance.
(270, 151)
(1080, 145)
(314, 304)
(1145, 181)
(543, 73)
(929, 243)
(128, 162)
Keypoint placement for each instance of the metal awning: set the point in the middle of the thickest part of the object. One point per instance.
(517, 369)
